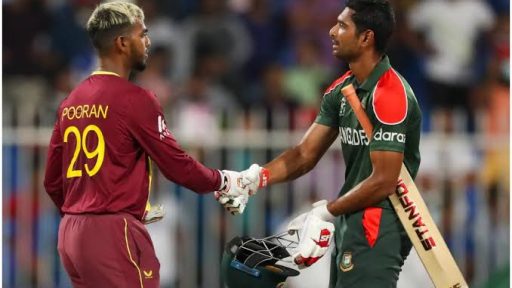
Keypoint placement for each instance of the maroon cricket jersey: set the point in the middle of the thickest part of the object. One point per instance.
(98, 154)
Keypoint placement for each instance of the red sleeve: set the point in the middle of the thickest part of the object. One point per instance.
(53, 174)
(147, 124)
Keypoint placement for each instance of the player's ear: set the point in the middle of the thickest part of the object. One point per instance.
(121, 43)
(367, 38)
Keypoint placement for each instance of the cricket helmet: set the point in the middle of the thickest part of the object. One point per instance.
(252, 263)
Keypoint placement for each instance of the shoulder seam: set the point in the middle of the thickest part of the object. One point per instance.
(341, 81)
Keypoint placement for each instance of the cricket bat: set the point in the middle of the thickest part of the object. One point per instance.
(415, 217)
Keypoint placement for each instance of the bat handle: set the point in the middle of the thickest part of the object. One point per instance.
(350, 94)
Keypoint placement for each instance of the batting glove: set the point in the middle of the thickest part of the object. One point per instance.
(319, 210)
(231, 184)
(315, 239)
(234, 205)
(155, 213)
(254, 178)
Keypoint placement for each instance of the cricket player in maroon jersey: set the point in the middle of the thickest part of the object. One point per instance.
(98, 166)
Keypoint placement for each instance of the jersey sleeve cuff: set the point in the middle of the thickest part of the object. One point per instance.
(391, 148)
(325, 122)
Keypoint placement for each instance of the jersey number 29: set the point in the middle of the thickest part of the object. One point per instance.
(81, 144)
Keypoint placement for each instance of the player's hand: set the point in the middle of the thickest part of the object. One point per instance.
(232, 185)
(319, 210)
(155, 213)
(234, 205)
(254, 178)
(315, 238)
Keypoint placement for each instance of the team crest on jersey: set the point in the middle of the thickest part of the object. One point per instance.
(343, 104)
(162, 128)
(346, 262)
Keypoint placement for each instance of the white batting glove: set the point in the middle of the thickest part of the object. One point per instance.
(319, 210)
(155, 213)
(234, 205)
(231, 184)
(316, 236)
(254, 178)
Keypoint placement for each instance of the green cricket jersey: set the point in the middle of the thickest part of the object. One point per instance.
(394, 112)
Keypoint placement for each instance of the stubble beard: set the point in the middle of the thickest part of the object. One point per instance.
(139, 66)
(346, 56)
(139, 63)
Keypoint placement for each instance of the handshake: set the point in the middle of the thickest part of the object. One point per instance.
(236, 187)
(314, 227)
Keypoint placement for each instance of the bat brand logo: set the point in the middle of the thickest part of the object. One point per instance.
(414, 215)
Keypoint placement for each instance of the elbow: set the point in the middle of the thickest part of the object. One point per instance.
(307, 160)
(389, 188)
(51, 187)
(385, 186)
(306, 167)
(45, 185)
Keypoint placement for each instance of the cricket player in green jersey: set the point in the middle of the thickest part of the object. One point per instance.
(371, 244)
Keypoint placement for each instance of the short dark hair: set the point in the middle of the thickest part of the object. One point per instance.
(375, 15)
(102, 38)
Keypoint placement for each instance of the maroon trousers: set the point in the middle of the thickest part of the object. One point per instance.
(109, 250)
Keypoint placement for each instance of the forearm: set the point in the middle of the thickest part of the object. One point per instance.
(53, 184)
(178, 166)
(290, 165)
(377, 187)
(300, 159)
(53, 178)
(366, 194)
(193, 175)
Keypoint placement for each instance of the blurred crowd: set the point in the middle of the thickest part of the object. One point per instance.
(209, 56)
(222, 54)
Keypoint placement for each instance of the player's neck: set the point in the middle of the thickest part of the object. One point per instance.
(111, 65)
(364, 65)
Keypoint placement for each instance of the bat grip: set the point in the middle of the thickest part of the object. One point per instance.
(350, 94)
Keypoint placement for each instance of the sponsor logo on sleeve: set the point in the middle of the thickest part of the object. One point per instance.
(357, 137)
(162, 128)
(389, 136)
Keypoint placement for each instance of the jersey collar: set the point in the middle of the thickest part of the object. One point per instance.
(371, 81)
(101, 72)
